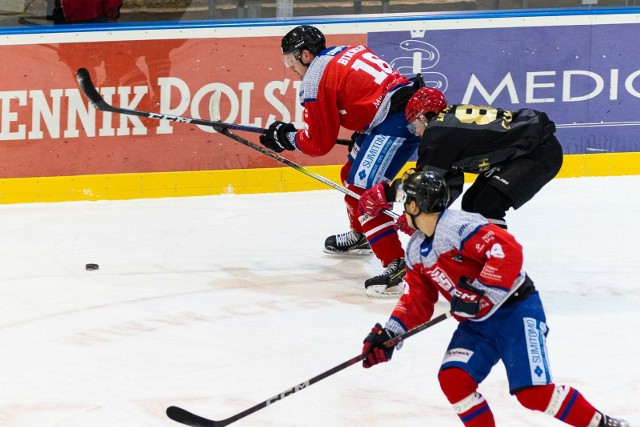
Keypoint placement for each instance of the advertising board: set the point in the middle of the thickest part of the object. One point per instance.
(582, 69)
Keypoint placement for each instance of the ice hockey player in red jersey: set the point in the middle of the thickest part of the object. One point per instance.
(351, 87)
(477, 267)
(514, 154)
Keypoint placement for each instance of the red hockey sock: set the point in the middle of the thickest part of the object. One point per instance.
(383, 238)
(352, 204)
(352, 209)
(461, 391)
(380, 231)
(562, 402)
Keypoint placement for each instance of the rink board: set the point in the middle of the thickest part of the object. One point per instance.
(579, 67)
(243, 181)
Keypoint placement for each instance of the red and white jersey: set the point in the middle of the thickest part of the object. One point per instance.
(343, 86)
(464, 245)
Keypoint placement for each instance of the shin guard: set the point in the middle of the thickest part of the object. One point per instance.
(380, 231)
(352, 204)
(383, 238)
(352, 210)
(561, 402)
(461, 391)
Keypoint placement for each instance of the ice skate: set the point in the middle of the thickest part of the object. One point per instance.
(389, 283)
(613, 422)
(349, 243)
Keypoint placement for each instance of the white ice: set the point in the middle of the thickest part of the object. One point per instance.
(217, 303)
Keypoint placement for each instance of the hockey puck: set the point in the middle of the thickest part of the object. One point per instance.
(92, 267)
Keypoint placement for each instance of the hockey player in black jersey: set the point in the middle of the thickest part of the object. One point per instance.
(514, 154)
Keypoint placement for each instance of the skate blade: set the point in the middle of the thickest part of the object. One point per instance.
(382, 292)
(353, 252)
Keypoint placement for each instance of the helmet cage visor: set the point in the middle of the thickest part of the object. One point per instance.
(401, 192)
(401, 195)
(290, 58)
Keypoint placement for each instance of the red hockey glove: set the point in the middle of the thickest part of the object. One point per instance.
(374, 200)
(468, 301)
(275, 137)
(402, 225)
(373, 346)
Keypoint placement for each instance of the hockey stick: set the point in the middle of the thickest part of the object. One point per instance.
(92, 94)
(90, 91)
(299, 168)
(188, 418)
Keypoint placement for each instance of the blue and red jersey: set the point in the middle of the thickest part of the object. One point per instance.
(465, 245)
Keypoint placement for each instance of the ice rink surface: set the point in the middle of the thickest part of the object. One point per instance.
(217, 303)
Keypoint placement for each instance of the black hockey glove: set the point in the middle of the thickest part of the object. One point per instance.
(353, 140)
(466, 299)
(373, 346)
(275, 137)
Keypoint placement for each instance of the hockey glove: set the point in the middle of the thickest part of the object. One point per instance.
(402, 225)
(466, 299)
(275, 137)
(353, 140)
(374, 200)
(373, 346)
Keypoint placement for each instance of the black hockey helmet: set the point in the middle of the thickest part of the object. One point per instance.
(303, 37)
(427, 188)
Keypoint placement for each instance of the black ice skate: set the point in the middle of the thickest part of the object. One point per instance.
(349, 243)
(613, 422)
(389, 283)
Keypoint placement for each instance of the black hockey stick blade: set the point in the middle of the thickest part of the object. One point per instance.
(90, 91)
(188, 418)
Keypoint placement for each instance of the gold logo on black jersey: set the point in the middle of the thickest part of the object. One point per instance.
(484, 165)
